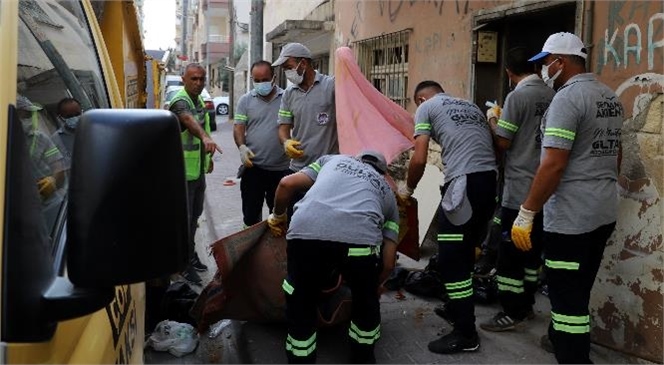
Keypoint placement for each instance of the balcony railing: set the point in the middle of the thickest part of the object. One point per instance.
(215, 4)
(219, 38)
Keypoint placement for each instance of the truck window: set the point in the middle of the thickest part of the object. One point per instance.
(56, 60)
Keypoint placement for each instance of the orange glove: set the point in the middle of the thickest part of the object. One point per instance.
(46, 186)
(292, 148)
(278, 224)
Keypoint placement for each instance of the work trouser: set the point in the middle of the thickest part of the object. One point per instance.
(258, 185)
(571, 264)
(517, 271)
(312, 265)
(195, 196)
(456, 248)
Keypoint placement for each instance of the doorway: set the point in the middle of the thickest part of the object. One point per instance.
(525, 27)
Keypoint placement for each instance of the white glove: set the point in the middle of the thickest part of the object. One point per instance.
(246, 155)
(404, 193)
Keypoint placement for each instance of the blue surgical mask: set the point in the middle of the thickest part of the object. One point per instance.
(71, 122)
(263, 88)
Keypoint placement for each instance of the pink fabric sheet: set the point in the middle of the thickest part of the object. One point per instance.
(367, 119)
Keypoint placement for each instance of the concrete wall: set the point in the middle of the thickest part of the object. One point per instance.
(627, 302)
(276, 11)
(627, 51)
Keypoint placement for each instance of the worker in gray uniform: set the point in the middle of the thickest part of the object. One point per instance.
(307, 117)
(347, 222)
(517, 136)
(576, 185)
(255, 132)
(468, 191)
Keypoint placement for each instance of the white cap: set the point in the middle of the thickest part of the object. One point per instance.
(562, 43)
(296, 50)
(455, 203)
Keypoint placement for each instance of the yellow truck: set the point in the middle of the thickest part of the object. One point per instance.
(82, 230)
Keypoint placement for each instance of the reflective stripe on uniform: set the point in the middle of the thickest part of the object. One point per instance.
(285, 113)
(423, 126)
(460, 289)
(509, 284)
(497, 220)
(301, 348)
(287, 287)
(530, 275)
(563, 265)
(450, 237)
(392, 226)
(241, 117)
(363, 337)
(570, 324)
(508, 126)
(315, 166)
(559, 132)
(363, 251)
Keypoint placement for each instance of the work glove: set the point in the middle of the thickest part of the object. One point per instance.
(523, 225)
(46, 186)
(494, 111)
(246, 155)
(404, 194)
(292, 148)
(278, 224)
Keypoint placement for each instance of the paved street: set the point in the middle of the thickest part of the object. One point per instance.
(408, 322)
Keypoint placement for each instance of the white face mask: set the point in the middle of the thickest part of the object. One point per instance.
(545, 74)
(293, 76)
(71, 122)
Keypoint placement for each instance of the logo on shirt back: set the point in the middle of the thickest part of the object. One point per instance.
(323, 118)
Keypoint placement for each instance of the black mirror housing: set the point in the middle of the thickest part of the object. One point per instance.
(127, 220)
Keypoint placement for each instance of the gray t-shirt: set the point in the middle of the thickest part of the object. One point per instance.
(520, 123)
(584, 117)
(349, 202)
(461, 130)
(313, 116)
(261, 132)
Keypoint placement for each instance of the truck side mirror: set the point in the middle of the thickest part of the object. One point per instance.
(127, 220)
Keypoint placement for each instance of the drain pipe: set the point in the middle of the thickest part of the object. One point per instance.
(589, 7)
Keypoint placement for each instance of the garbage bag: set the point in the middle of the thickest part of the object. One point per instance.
(177, 338)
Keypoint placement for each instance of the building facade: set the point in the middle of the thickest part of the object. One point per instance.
(462, 45)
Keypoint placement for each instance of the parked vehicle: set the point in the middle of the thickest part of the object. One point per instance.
(209, 106)
(221, 105)
(79, 243)
(173, 80)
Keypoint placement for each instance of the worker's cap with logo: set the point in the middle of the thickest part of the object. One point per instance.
(455, 203)
(296, 50)
(375, 159)
(24, 103)
(562, 43)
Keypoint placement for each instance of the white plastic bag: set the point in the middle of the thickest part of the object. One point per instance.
(177, 338)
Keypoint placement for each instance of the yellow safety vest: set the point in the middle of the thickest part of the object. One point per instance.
(192, 145)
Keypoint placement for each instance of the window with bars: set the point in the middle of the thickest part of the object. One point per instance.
(384, 62)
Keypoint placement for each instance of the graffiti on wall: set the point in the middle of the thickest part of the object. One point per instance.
(393, 8)
(634, 35)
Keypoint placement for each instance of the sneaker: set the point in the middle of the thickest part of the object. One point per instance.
(192, 276)
(455, 342)
(442, 312)
(546, 344)
(197, 264)
(500, 322)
